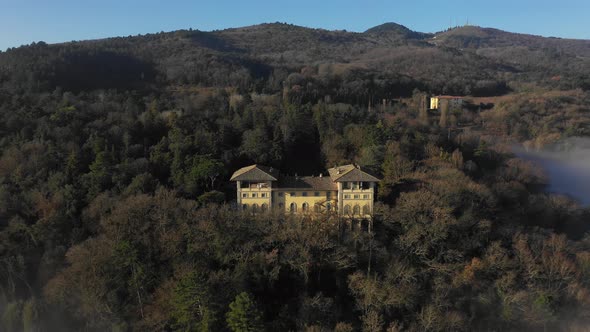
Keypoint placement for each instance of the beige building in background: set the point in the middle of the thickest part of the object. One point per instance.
(453, 102)
(348, 191)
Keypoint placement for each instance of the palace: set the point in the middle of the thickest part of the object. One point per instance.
(347, 191)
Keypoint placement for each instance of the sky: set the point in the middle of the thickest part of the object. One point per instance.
(53, 21)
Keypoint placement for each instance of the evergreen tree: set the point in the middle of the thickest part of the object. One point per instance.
(190, 302)
(243, 315)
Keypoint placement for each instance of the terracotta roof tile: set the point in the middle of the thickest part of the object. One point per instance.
(308, 182)
(255, 173)
(357, 175)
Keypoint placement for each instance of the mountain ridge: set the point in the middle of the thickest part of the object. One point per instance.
(458, 61)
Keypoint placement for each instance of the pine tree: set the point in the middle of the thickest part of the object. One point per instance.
(190, 304)
(243, 315)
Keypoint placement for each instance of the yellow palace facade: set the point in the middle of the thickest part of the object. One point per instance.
(347, 191)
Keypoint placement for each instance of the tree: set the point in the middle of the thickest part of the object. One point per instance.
(212, 197)
(31, 315)
(243, 315)
(204, 171)
(190, 302)
(257, 146)
(100, 176)
(444, 113)
(11, 317)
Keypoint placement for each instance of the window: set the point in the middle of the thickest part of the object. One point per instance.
(304, 194)
(254, 207)
(356, 210)
(365, 196)
(244, 195)
(263, 207)
(293, 208)
(316, 194)
(293, 194)
(329, 194)
(305, 207)
(347, 209)
(254, 195)
(281, 194)
(244, 206)
(351, 185)
(263, 195)
(366, 210)
(346, 196)
(356, 196)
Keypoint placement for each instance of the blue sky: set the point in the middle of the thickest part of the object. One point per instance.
(25, 21)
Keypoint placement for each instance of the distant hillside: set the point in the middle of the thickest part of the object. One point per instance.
(478, 37)
(465, 60)
(394, 29)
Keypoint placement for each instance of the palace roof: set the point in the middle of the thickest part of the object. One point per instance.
(349, 173)
(346, 173)
(255, 173)
(308, 182)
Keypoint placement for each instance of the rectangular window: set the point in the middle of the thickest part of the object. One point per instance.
(254, 195)
(244, 195)
(263, 195)
(281, 194)
(356, 196)
(304, 193)
(293, 194)
(316, 194)
(365, 196)
(346, 196)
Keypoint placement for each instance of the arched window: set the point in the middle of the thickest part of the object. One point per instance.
(293, 208)
(263, 207)
(254, 207)
(356, 210)
(347, 209)
(244, 206)
(366, 210)
(305, 207)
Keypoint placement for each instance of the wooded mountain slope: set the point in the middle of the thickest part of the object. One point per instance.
(116, 212)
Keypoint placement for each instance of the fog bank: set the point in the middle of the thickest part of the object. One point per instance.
(567, 165)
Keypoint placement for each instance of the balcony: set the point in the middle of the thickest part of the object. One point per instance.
(255, 187)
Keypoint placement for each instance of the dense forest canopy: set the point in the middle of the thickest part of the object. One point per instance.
(116, 212)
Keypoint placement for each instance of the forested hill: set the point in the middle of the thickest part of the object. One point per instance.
(464, 60)
(117, 213)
